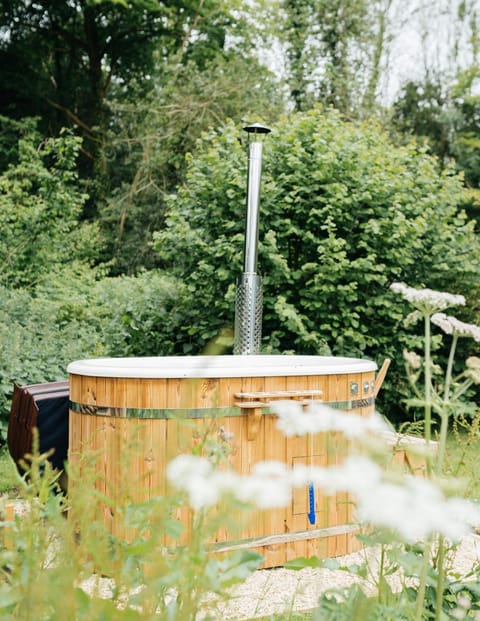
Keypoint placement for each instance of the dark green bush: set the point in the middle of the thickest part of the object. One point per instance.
(78, 315)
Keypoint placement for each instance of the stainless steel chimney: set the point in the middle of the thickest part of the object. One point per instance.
(248, 304)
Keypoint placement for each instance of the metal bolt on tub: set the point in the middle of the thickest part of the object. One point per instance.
(249, 296)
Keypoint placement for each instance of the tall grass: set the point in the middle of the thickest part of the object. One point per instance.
(59, 559)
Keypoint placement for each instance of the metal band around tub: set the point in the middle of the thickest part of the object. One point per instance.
(185, 413)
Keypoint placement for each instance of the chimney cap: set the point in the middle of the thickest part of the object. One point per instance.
(257, 128)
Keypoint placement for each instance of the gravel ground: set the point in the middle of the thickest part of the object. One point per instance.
(281, 590)
(269, 591)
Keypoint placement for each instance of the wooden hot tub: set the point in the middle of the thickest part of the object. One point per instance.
(167, 403)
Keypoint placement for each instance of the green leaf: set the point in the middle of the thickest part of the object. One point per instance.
(10, 595)
(238, 566)
(313, 561)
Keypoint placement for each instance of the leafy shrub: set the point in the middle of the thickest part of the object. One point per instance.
(40, 208)
(138, 315)
(78, 314)
(38, 340)
(344, 213)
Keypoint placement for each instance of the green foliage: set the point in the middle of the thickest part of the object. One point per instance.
(137, 316)
(10, 133)
(78, 314)
(446, 118)
(40, 205)
(71, 64)
(343, 214)
(333, 49)
(463, 454)
(150, 137)
(351, 603)
(61, 59)
(38, 338)
(8, 473)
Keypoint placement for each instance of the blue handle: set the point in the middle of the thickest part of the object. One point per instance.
(311, 502)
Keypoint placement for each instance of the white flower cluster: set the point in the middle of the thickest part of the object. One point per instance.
(414, 509)
(473, 368)
(451, 325)
(268, 485)
(293, 420)
(412, 359)
(426, 300)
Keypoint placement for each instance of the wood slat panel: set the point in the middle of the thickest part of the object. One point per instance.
(157, 441)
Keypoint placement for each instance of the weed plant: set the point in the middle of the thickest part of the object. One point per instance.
(60, 561)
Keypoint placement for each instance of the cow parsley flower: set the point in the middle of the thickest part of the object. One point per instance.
(414, 508)
(179, 469)
(193, 475)
(427, 301)
(264, 492)
(473, 368)
(354, 474)
(293, 420)
(451, 325)
(412, 359)
(267, 487)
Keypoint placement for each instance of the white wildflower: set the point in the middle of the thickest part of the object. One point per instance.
(387, 506)
(412, 318)
(271, 469)
(223, 480)
(436, 369)
(291, 418)
(473, 368)
(193, 475)
(464, 602)
(427, 301)
(354, 474)
(202, 493)
(268, 487)
(415, 509)
(180, 469)
(355, 471)
(319, 418)
(264, 492)
(465, 510)
(412, 359)
(451, 325)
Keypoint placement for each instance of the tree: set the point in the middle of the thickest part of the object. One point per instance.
(440, 106)
(63, 61)
(335, 52)
(40, 208)
(447, 120)
(149, 142)
(344, 214)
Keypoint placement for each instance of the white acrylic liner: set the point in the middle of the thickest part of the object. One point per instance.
(219, 366)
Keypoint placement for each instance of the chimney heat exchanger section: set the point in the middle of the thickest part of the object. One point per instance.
(248, 303)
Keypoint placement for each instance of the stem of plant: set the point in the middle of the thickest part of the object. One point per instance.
(423, 582)
(380, 575)
(428, 392)
(445, 408)
(441, 577)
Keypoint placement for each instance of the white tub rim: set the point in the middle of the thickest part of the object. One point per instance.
(263, 365)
